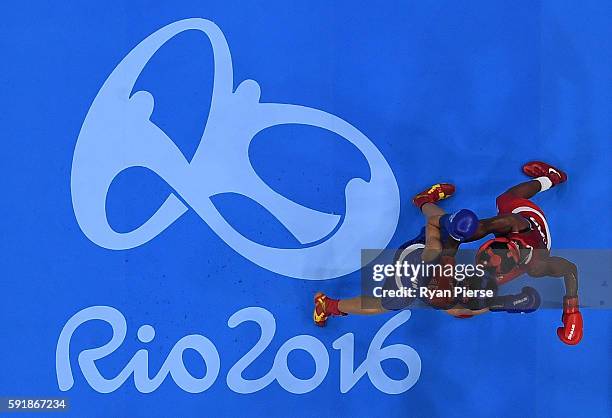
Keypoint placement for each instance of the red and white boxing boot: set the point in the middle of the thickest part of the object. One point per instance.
(434, 194)
(537, 169)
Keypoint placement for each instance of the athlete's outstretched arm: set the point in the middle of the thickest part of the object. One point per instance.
(560, 267)
(572, 330)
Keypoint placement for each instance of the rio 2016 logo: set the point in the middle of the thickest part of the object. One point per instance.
(138, 366)
(117, 134)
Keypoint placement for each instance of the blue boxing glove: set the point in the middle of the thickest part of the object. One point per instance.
(525, 302)
(459, 225)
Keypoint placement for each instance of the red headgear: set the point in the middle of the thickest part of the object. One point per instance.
(494, 257)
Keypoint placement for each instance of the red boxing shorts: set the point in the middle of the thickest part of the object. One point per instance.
(508, 203)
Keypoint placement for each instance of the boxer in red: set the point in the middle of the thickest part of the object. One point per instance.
(522, 243)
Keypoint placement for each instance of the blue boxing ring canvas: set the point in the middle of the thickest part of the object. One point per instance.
(181, 178)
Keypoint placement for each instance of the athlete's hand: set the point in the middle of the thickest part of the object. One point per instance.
(572, 330)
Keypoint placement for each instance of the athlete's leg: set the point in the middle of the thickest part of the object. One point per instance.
(465, 313)
(361, 305)
(545, 177)
(431, 209)
(366, 304)
(525, 190)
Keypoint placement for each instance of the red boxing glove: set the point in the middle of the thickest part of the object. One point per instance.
(571, 332)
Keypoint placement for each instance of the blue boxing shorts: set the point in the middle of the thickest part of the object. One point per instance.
(411, 252)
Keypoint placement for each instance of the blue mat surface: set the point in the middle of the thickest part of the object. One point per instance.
(398, 93)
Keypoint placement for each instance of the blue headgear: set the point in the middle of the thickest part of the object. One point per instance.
(460, 225)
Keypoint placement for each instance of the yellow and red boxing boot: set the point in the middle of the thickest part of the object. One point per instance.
(434, 194)
(537, 169)
(324, 308)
